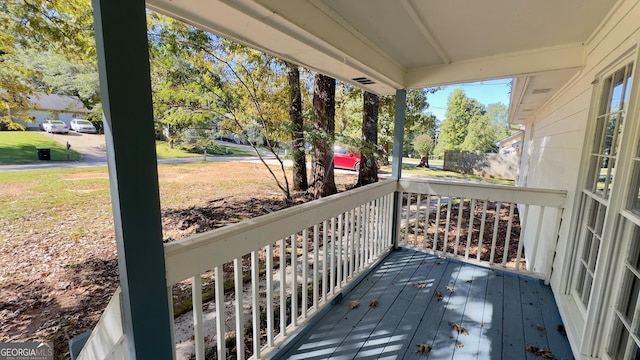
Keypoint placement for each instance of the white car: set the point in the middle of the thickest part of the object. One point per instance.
(84, 126)
(55, 126)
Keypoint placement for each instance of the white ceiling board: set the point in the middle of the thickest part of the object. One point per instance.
(406, 43)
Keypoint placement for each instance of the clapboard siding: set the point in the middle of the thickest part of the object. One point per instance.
(556, 137)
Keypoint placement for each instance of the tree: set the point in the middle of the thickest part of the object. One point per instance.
(61, 26)
(454, 128)
(297, 129)
(499, 114)
(368, 173)
(481, 135)
(417, 120)
(54, 73)
(423, 144)
(323, 182)
(242, 89)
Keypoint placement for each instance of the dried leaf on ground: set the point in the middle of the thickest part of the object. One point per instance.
(439, 295)
(459, 328)
(353, 305)
(423, 349)
(449, 288)
(373, 303)
(421, 285)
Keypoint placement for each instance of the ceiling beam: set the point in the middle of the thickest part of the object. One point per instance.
(499, 66)
(412, 12)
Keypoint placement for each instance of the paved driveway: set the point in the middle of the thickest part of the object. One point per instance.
(90, 146)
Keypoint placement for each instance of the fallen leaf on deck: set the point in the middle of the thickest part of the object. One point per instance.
(449, 288)
(421, 285)
(562, 330)
(469, 281)
(459, 345)
(353, 305)
(374, 303)
(423, 349)
(459, 328)
(439, 295)
(540, 352)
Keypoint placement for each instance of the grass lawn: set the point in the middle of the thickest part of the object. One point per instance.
(64, 217)
(443, 175)
(163, 151)
(20, 147)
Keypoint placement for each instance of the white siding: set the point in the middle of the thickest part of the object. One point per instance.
(555, 136)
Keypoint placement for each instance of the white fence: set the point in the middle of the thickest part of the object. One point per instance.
(250, 285)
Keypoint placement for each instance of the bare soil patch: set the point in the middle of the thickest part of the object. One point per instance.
(56, 281)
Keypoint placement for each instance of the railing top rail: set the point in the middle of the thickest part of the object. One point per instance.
(521, 195)
(201, 252)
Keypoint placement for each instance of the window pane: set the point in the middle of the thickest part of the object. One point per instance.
(634, 194)
(618, 87)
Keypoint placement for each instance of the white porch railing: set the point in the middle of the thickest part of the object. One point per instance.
(515, 229)
(264, 278)
(292, 263)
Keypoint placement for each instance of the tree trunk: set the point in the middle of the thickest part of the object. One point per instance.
(323, 183)
(297, 129)
(424, 162)
(368, 165)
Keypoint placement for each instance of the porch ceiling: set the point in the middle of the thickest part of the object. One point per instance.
(410, 43)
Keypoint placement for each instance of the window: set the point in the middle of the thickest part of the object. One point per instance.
(614, 98)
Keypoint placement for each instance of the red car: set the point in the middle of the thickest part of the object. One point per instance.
(345, 159)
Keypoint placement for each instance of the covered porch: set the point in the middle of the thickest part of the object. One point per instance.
(382, 251)
(278, 272)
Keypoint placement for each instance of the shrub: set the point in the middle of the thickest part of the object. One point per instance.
(8, 125)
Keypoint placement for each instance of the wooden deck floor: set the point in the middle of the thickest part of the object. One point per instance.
(420, 298)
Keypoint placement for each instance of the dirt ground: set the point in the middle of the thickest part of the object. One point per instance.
(55, 284)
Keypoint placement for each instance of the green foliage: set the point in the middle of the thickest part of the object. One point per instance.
(481, 135)
(423, 144)
(8, 125)
(498, 113)
(54, 73)
(454, 129)
(202, 81)
(58, 26)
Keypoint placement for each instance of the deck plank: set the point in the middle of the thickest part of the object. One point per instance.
(420, 292)
(490, 346)
(330, 331)
(387, 332)
(513, 346)
(502, 313)
(557, 341)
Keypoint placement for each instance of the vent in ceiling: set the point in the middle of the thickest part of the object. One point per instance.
(541, 91)
(363, 81)
(527, 110)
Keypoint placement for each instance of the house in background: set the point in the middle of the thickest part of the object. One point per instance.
(51, 106)
(511, 144)
(575, 90)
